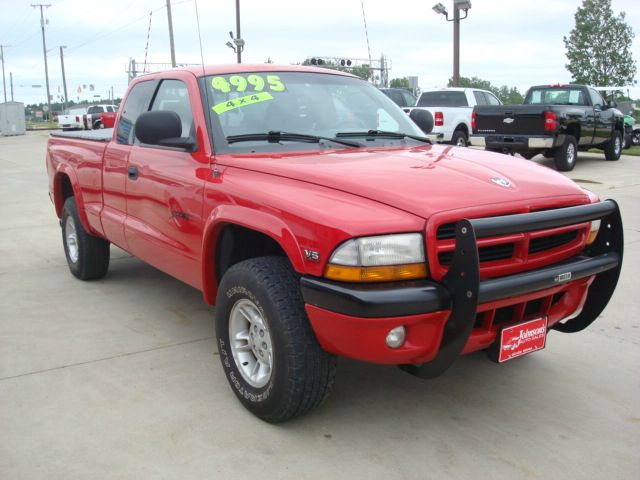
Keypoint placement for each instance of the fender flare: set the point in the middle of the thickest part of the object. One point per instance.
(65, 170)
(260, 221)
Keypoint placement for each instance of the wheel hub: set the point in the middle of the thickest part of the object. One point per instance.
(250, 343)
(71, 239)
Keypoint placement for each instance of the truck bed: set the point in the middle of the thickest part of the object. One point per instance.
(102, 135)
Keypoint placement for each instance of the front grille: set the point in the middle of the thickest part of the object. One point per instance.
(446, 231)
(486, 254)
(509, 254)
(552, 241)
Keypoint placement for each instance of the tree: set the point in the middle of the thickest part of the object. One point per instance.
(400, 83)
(599, 46)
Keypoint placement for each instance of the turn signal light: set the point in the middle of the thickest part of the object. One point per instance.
(593, 232)
(391, 273)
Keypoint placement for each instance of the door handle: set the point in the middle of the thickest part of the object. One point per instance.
(133, 172)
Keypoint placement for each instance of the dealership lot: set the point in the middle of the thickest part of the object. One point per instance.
(120, 377)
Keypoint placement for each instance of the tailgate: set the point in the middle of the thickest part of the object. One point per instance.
(510, 119)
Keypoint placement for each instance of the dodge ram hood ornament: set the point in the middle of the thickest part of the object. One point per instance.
(503, 182)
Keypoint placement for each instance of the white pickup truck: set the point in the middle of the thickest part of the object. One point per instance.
(451, 109)
(74, 120)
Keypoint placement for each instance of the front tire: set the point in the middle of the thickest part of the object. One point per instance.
(268, 350)
(87, 256)
(566, 155)
(613, 148)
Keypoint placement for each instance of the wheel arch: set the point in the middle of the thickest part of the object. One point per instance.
(462, 127)
(574, 130)
(65, 185)
(234, 233)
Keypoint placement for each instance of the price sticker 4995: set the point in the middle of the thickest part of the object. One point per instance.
(252, 83)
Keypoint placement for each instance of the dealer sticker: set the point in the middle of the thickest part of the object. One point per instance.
(523, 338)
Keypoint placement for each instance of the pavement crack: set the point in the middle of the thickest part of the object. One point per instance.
(97, 360)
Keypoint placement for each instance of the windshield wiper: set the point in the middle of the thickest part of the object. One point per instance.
(382, 133)
(276, 137)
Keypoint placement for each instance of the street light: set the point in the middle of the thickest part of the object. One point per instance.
(458, 5)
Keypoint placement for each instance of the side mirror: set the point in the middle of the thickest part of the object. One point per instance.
(423, 119)
(162, 128)
(612, 104)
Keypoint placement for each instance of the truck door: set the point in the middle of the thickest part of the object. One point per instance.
(116, 156)
(165, 188)
(603, 118)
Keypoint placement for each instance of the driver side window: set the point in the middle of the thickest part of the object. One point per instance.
(172, 95)
(596, 98)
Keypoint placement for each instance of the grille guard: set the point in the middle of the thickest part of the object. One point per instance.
(603, 258)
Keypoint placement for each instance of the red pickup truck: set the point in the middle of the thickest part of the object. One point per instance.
(312, 212)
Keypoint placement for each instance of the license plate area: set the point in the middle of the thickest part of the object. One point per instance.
(522, 339)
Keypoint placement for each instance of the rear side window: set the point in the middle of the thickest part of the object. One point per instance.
(443, 99)
(110, 109)
(95, 109)
(409, 99)
(480, 98)
(137, 102)
(491, 99)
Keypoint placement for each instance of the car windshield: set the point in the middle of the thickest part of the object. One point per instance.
(246, 107)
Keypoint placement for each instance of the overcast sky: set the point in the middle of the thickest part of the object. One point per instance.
(508, 42)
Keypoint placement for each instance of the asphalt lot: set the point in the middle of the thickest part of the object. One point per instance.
(119, 378)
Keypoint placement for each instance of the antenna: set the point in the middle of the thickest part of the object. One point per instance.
(207, 113)
(366, 33)
(146, 48)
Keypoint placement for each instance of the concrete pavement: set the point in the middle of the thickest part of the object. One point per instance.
(119, 378)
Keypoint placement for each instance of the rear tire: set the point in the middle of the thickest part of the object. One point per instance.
(459, 139)
(269, 353)
(87, 256)
(613, 148)
(566, 155)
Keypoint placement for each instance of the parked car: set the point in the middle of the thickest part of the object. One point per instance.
(555, 120)
(319, 221)
(401, 96)
(451, 109)
(74, 120)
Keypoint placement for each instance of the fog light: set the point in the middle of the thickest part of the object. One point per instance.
(395, 337)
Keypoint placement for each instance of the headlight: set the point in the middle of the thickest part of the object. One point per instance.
(593, 231)
(382, 258)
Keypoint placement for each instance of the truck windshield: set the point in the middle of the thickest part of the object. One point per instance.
(249, 106)
(555, 96)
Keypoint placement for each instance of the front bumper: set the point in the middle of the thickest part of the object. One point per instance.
(353, 319)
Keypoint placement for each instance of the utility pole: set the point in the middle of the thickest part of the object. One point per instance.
(11, 83)
(4, 83)
(456, 47)
(239, 46)
(44, 51)
(64, 79)
(173, 51)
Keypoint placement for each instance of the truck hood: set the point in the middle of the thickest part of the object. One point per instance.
(423, 180)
